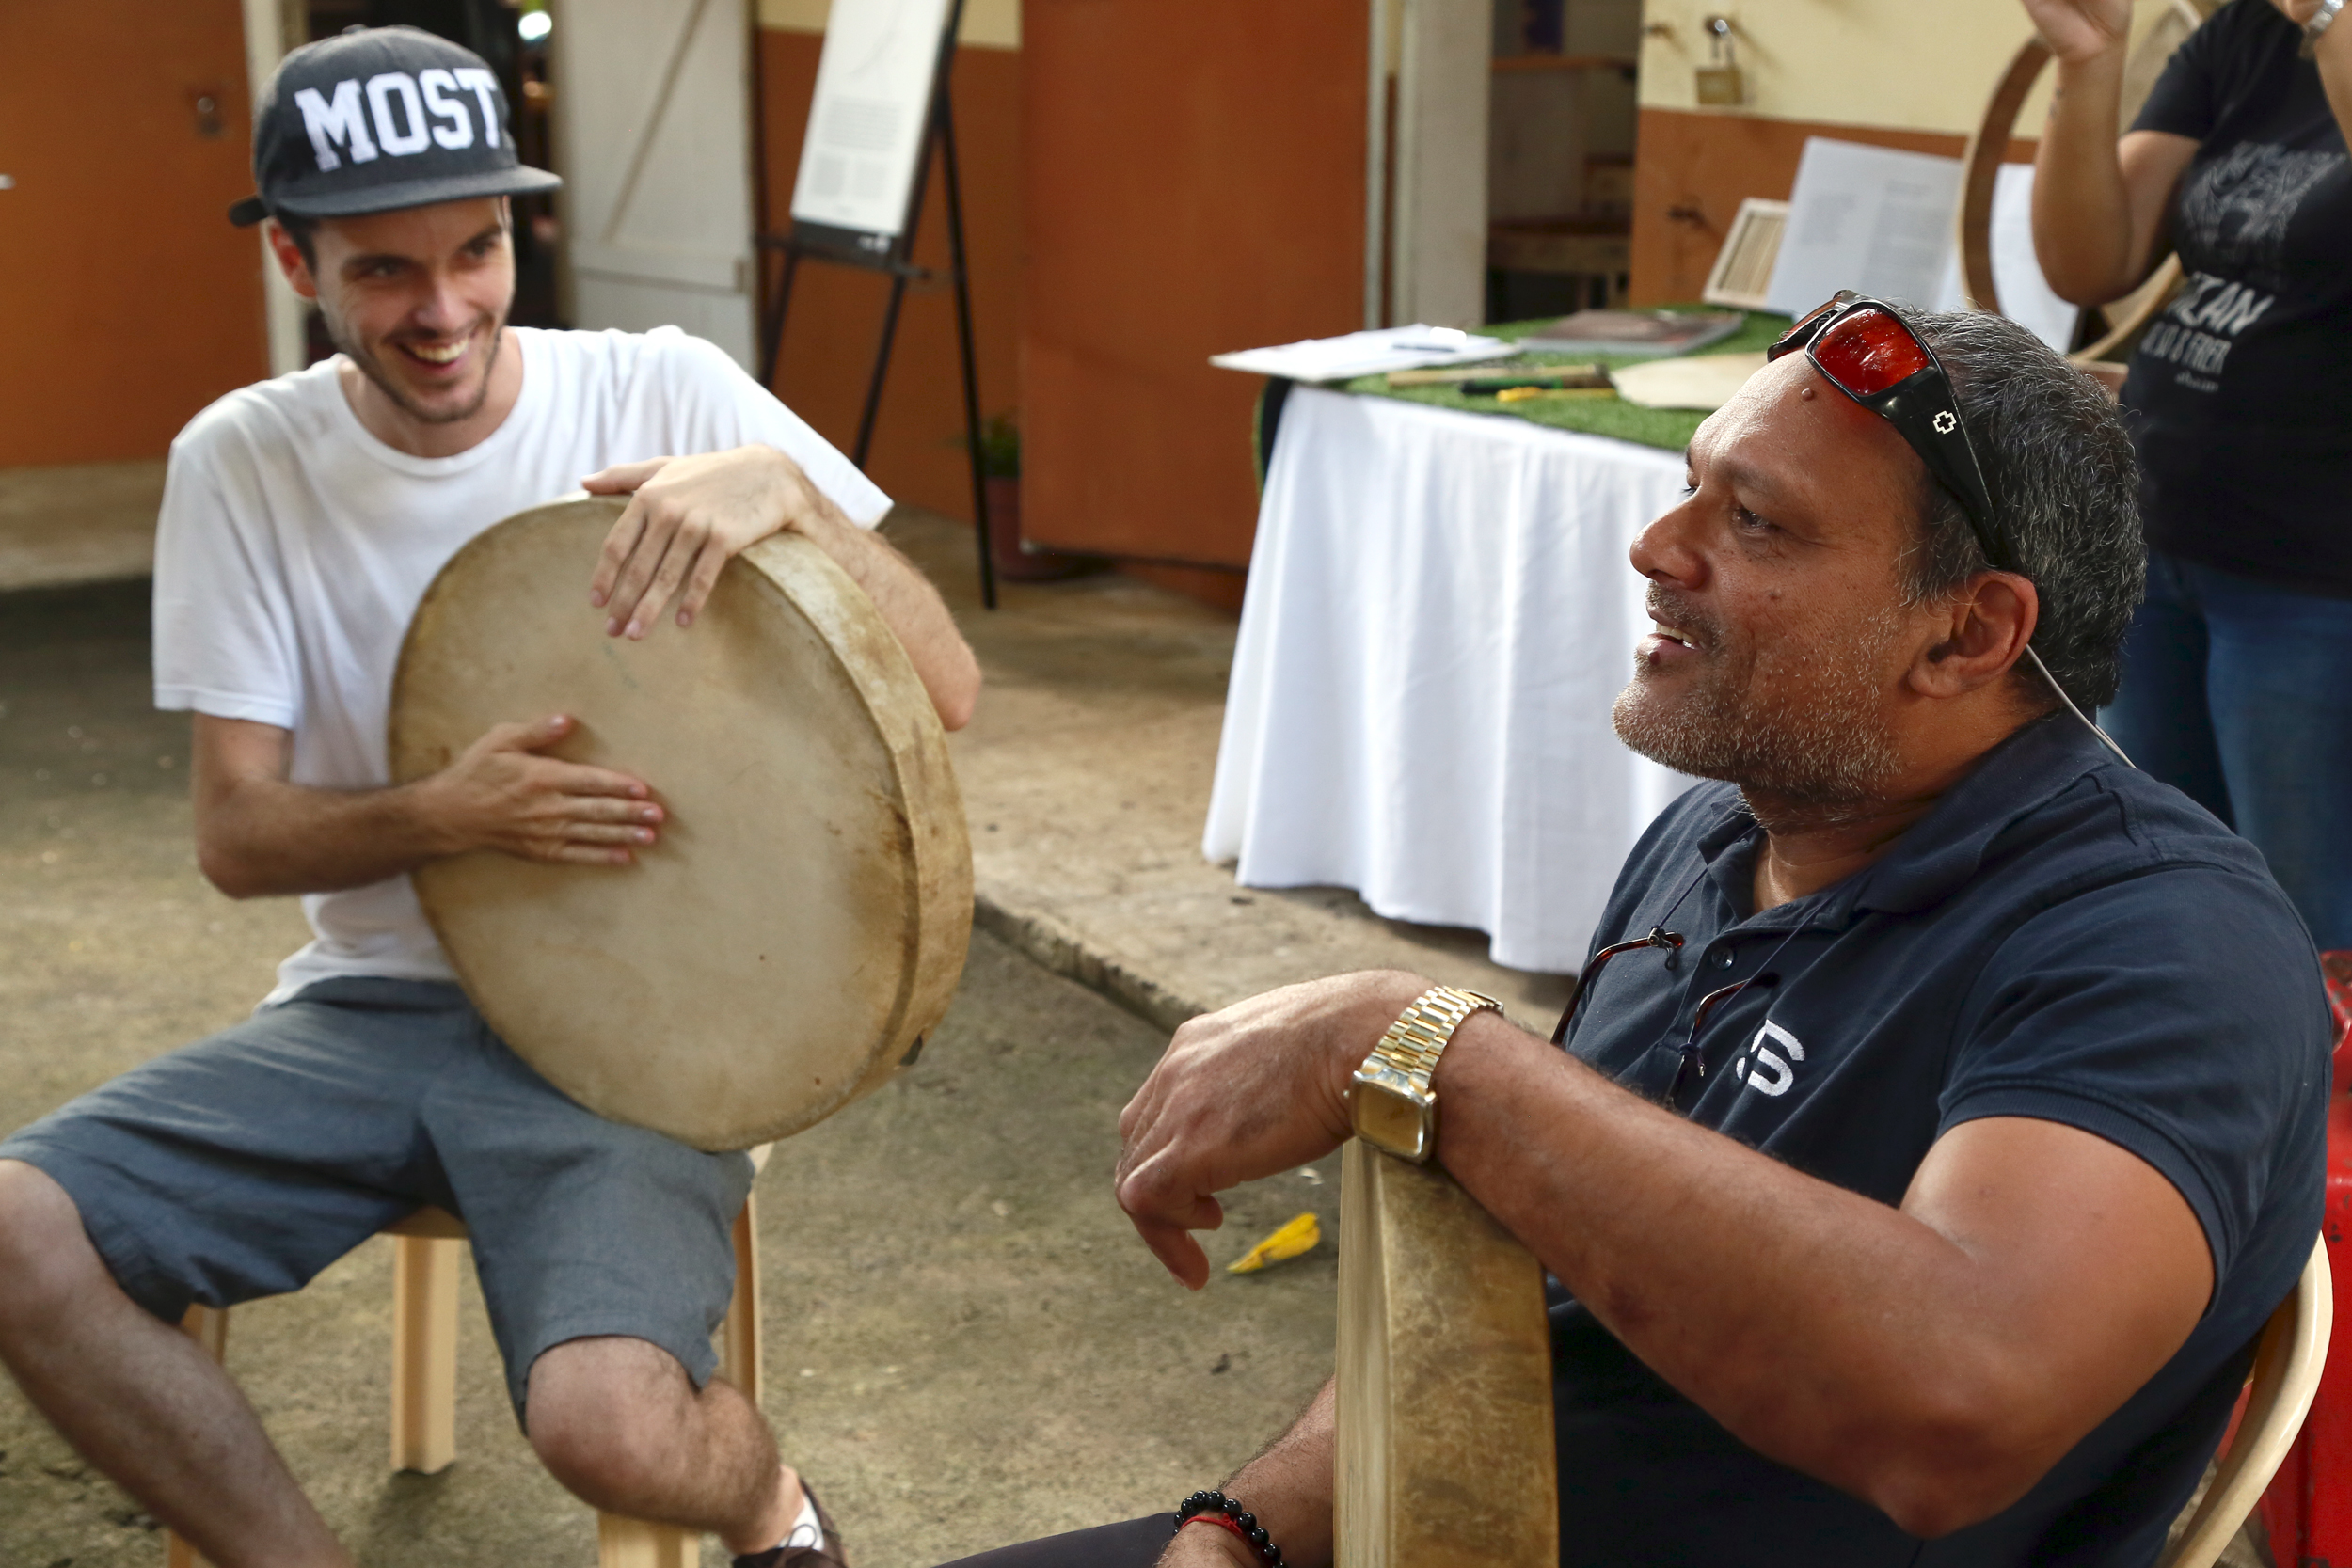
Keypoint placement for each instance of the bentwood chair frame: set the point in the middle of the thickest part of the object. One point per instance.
(2285, 1376)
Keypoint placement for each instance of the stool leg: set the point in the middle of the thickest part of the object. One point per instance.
(739, 1336)
(209, 1328)
(424, 1352)
(634, 1543)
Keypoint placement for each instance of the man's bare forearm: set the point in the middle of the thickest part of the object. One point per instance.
(912, 609)
(1289, 1486)
(265, 837)
(1843, 1337)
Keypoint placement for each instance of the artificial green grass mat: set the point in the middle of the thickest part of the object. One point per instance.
(1669, 429)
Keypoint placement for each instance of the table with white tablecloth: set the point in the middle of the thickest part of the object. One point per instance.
(1439, 616)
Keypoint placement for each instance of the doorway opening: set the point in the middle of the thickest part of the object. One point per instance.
(1560, 156)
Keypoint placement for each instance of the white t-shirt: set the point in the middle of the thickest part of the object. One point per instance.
(294, 548)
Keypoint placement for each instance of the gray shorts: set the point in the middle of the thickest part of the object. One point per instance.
(242, 1165)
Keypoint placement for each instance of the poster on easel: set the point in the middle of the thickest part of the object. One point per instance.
(868, 126)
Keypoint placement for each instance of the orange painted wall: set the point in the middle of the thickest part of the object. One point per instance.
(1194, 184)
(128, 302)
(836, 311)
(1705, 164)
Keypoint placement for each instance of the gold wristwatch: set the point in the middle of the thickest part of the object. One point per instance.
(1391, 1102)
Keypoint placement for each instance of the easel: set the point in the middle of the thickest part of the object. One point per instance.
(893, 255)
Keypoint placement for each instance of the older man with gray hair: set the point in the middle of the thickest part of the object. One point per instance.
(1942, 1110)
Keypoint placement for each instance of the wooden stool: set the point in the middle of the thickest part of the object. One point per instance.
(427, 1249)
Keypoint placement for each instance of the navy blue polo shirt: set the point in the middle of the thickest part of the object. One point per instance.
(2060, 938)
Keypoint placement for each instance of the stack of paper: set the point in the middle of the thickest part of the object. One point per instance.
(1646, 334)
(1389, 348)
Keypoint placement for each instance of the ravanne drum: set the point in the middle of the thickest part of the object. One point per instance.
(802, 922)
(1445, 1437)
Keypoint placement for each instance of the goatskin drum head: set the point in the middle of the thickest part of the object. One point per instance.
(802, 922)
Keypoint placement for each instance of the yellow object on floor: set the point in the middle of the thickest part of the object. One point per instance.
(1299, 1236)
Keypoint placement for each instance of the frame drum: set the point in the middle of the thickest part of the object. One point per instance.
(800, 922)
(1445, 1438)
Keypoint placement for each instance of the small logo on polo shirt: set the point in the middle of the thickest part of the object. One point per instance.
(1769, 1072)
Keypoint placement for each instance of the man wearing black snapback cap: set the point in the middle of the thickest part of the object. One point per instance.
(302, 521)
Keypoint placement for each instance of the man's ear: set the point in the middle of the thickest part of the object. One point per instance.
(290, 260)
(1982, 630)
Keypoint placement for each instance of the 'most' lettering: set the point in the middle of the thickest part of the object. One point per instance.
(341, 122)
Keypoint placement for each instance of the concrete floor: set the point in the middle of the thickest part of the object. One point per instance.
(1087, 775)
(86, 522)
(966, 1344)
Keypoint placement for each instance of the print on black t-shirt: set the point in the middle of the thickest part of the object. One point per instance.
(2233, 210)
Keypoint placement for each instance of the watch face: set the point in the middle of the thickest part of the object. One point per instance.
(1389, 1120)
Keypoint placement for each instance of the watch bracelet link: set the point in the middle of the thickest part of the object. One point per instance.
(2323, 19)
(1421, 1032)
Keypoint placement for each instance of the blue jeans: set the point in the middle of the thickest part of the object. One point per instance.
(2239, 693)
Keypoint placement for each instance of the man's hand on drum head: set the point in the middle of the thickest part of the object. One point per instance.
(687, 519)
(1256, 1089)
(501, 795)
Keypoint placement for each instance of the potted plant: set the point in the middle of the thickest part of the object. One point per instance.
(1016, 560)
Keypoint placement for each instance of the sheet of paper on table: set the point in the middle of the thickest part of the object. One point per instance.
(1704, 382)
(1880, 221)
(1388, 348)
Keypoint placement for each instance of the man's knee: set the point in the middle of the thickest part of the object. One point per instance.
(610, 1416)
(45, 1257)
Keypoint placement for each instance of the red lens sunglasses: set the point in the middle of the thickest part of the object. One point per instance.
(1866, 351)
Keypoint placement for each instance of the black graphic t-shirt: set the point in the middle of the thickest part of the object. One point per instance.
(2243, 386)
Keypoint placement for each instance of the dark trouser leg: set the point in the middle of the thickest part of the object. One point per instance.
(2279, 684)
(2159, 715)
(1136, 1543)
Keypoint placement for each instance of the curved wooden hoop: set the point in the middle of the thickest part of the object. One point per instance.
(1988, 148)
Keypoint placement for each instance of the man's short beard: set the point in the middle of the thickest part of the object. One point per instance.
(1807, 731)
(373, 368)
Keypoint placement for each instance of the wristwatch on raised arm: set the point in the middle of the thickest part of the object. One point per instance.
(1390, 1102)
(2321, 21)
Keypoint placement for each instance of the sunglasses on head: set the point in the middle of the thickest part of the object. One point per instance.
(1864, 348)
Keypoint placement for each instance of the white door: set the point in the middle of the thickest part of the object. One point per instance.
(653, 137)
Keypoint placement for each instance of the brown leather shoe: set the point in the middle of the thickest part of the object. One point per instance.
(826, 1554)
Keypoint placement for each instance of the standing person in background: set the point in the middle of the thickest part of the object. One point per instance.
(2238, 678)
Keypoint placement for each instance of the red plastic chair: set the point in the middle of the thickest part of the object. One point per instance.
(2308, 1509)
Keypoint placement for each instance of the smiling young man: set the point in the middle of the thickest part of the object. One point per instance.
(303, 520)
(1949, 1116)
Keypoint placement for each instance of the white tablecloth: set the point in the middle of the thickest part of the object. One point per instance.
(1439, 614)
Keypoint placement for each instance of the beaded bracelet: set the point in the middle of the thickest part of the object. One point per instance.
(1216, 1508)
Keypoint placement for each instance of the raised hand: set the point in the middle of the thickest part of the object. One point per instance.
(2078, 30)
(501, 795)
